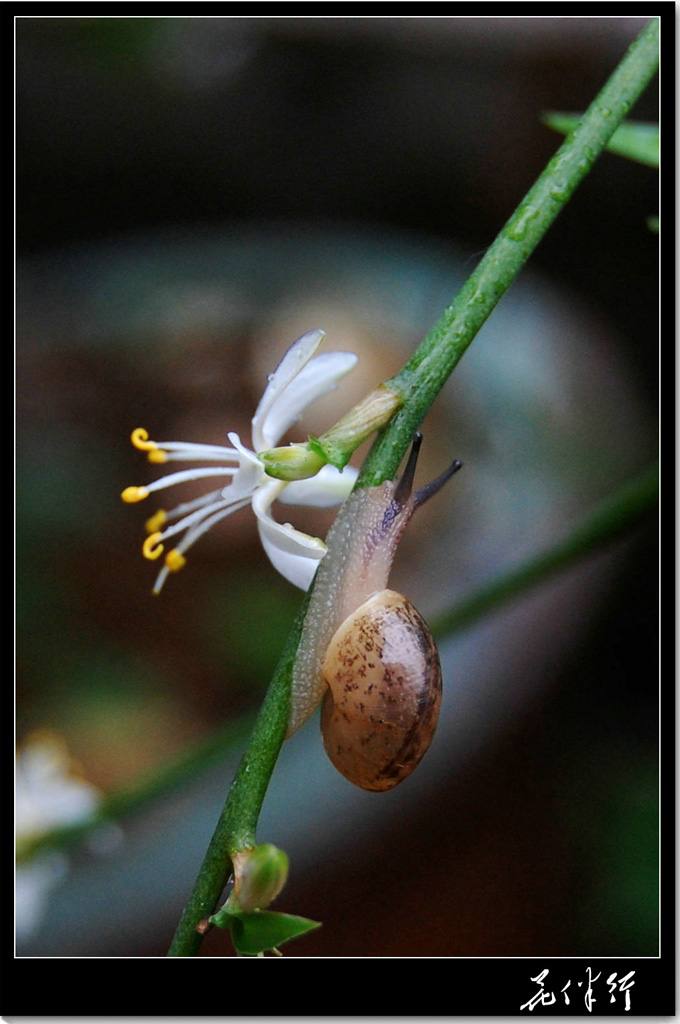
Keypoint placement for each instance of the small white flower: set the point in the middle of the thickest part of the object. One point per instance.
(300, 378)
(49, 795)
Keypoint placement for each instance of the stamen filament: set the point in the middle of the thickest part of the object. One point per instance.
(189, 506)
(204, 449)
(191, 454)
(179, 478)
(194, 518)
(199, 529)
(172, 559)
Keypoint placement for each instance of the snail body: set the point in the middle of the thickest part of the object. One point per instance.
(365, 650)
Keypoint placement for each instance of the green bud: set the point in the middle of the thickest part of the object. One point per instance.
(294, 462)
(259, 876)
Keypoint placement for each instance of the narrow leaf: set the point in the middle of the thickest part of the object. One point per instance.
(633, 139)
(265, 929)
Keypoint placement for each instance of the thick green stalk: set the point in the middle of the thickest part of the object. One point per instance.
(418, 383)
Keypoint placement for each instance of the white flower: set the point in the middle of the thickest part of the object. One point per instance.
(48, 795)
(300, 378)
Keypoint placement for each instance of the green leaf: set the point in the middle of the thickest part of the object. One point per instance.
(223, 918)
(255, 933)
(634, 140)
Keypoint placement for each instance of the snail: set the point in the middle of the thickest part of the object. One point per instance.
(364, 648)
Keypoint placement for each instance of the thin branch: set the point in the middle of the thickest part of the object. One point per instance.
(615, 516)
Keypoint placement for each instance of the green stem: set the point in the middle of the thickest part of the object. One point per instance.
(418, 383)
(612, 518)
(429, 368)
(238, 821)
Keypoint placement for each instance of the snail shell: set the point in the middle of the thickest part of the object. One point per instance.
(384, 691)
(364, 648)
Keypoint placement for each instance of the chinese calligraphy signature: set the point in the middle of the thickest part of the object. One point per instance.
(618, 986)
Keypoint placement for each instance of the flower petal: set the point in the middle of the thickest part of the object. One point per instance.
(328, 488)
(317, 378)
(294, 554)
(48, 792)
(249, 475)
(297, 356)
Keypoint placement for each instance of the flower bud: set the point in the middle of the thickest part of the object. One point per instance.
(259, 876)
(292, 462)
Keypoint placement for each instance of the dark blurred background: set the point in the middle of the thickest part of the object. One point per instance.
(192, 194)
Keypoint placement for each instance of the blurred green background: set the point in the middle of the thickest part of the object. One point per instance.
(193, 194)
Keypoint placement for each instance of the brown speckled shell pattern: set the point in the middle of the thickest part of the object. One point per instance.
(384, 677)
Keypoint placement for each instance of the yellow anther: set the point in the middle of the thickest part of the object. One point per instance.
(174, 560)
(154, 524)
(157, 455)
(140, 439)
(149, 546)
(133, 494)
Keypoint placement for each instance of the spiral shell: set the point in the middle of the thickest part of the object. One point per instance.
(384, 691)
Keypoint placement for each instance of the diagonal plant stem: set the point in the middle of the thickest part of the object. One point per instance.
(429, 368)
(237, 824)
(612, 518)
(418, 383)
